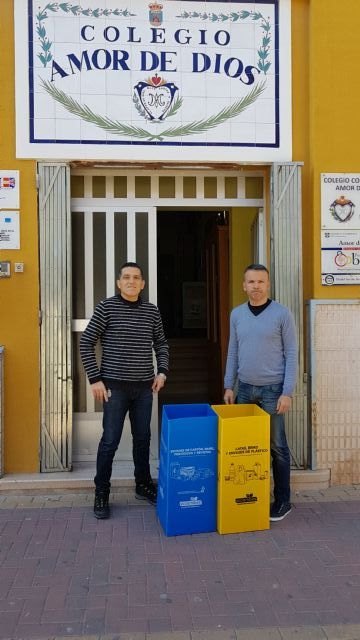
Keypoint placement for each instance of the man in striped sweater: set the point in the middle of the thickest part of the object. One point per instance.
(129, 329)
(262, 363)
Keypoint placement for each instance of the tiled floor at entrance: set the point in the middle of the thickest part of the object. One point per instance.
(81, 476)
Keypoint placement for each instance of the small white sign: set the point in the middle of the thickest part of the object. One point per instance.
(340, 224)
(334, 239)
(9, 230)
(340, 278)
(341, 264)
(9, 189)
(340, 201)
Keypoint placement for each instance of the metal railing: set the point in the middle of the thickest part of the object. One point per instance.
(1, 411)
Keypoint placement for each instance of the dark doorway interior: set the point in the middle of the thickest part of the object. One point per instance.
(183, 299)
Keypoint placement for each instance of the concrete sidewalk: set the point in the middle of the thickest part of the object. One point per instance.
(65, 574)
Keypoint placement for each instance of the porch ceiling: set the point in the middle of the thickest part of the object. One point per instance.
(158, 166)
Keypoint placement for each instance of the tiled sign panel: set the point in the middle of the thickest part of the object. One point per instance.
(137, 80)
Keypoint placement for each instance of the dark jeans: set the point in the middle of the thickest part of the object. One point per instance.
(266, 397)
(137, 400)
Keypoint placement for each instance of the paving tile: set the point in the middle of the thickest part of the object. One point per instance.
(32, 611)
(94, 621)
(87, 637)
(175, 635)
(179, 600)
(342, 632)
(258, 634)
(125, 626)
(46, 630)
(225, 622)
(10, 605)
(121, 636)
(9, 622)
(181, 623)
(67, 616)
(161, 624)
(228, 634)
(29, 592)
(148, 612)
(303, 633)
(199, 603)
(231, 608)
(216, 593)
(300, 619)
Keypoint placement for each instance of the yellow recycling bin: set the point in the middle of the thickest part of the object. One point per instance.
(243, 501)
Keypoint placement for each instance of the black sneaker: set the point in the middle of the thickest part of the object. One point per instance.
(279, 511)
(101, 505)
(146, 491)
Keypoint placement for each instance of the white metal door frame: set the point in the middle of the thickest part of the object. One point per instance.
(287, 287)
(55, 312)
(55, 259)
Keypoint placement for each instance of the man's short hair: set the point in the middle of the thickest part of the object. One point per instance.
(256, 267)
(135, 265)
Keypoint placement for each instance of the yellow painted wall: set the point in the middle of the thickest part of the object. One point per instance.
(19, 330)
(302, 141)
(241, 220)
(335, 105)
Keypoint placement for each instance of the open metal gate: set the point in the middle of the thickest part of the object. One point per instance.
(287, 287)
(103, 237)
(55, 309)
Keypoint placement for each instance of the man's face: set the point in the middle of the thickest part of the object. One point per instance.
(256, 285)
(130, 283)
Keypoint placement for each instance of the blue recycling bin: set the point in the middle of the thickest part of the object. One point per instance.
(187, 488)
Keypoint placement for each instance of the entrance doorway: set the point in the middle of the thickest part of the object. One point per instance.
(114, 217)
(193, 297)
(177, 227)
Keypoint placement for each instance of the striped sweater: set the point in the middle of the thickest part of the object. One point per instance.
(128, 332)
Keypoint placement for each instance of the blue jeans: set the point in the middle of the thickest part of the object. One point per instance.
(137, 400)
(266, 397)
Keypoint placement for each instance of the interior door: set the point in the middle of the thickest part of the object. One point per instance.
(217, 285)
(103, 238)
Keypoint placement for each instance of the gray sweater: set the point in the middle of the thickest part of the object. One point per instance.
(263, 348)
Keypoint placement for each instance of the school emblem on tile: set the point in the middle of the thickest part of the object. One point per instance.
(154, 98)
(342, 209)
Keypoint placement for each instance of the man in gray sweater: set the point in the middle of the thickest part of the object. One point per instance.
(262, 362)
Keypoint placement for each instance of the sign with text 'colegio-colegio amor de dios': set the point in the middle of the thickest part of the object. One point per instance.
(118, 79)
